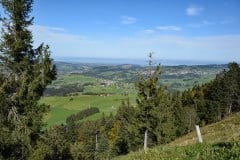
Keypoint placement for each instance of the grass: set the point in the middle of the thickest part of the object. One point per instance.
(62, 107)
(221, 141)
(225, 130)
(119, 88)
(219, 151)
(73, 79)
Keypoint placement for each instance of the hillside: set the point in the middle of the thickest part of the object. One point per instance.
(225, 130)
(175, 77)
(221, 141)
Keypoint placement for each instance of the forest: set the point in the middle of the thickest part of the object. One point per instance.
(158, 113)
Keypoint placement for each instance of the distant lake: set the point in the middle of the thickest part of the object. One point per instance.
(115, 61)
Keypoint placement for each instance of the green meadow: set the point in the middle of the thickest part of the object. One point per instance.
(63, 106)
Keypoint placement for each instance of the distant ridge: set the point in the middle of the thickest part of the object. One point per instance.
(117, 61)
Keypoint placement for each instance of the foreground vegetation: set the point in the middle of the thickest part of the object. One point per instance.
(227, 130)
(219, 151)
(221, 141)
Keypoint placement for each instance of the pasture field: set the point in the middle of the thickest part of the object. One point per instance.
(63, 106)
(73, 79)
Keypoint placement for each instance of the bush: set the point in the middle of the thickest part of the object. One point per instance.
(82, 114)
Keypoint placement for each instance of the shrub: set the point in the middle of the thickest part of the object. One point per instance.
(82, 114)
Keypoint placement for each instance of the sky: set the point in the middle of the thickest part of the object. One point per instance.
(172, 29)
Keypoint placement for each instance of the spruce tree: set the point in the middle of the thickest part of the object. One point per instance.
(27, 72)
(154, 108)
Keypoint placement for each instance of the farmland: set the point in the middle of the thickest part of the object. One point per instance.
(62, 107)
(79, 86)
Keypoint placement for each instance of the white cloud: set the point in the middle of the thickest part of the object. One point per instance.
(204, 23)
(169, 28)
(149, 31)
(53, 29)
(53, 34)
(128, 20)
(61, 42)
(207, 48)
(193, 10)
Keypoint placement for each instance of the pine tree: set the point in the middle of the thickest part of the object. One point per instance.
(179, 114)
(154, 109)
(27, 72)
(126, 136)
(232, 90)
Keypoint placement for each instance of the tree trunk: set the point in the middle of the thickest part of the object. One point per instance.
(145, 140)
(230, 109)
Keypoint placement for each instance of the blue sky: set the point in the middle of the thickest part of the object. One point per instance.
(172, 29)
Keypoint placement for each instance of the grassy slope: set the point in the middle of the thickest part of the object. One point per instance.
(62, 107)
(227, 130)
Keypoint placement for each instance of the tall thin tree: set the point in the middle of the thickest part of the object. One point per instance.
(27, 72)
(147, 87)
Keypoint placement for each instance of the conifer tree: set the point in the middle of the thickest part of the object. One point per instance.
(154, 109)
(27, 72)
(179, 114)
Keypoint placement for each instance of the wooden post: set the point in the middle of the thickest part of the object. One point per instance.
(199, 134)
(96, 147)
(145, 140)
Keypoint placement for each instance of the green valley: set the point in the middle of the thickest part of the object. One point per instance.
(79, 86)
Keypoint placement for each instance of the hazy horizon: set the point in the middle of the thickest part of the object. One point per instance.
(135, 61)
